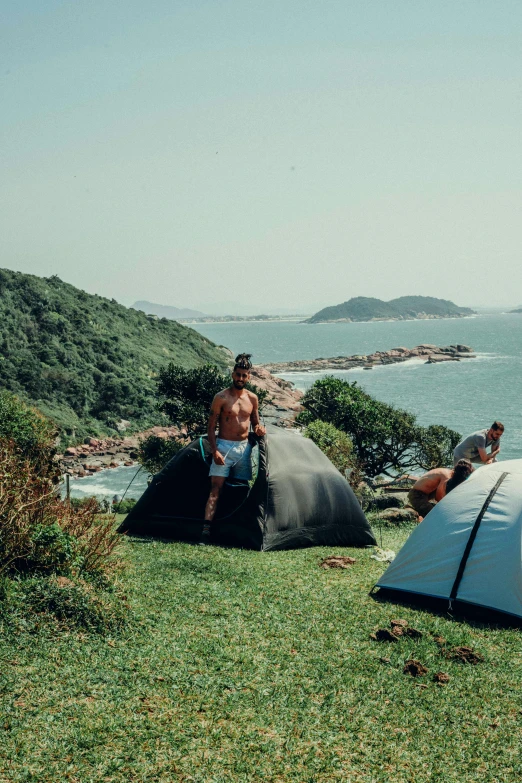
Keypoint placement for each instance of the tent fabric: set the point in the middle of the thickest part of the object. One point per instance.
(298, 499)
(475, 532)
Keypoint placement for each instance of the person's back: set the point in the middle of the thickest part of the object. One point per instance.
(429, 489)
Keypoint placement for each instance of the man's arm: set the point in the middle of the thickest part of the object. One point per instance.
(213, 419)
(254, 417)
(484, 456)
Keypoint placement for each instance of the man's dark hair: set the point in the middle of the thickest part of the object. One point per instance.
(497, 425)
(243, 361)
(462, 470)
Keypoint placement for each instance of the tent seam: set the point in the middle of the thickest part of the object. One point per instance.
(471, 539)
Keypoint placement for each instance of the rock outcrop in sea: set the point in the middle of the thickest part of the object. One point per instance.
(431, 354)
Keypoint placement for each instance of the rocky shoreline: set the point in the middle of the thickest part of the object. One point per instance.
(99, 454)
(431, 354)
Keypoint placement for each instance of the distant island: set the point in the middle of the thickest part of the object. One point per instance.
(516, 310)
(184, 315)
(364, 308)
(167, 311)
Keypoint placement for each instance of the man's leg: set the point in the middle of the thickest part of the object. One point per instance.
(216, 486)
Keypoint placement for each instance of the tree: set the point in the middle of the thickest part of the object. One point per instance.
(386, 439)
(186, 395)
(436, 446)
(337, 446)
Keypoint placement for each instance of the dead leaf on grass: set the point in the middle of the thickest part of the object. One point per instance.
(415, 668)
(337, 561)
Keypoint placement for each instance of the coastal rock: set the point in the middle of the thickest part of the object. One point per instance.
(431, 353)
(284, 401)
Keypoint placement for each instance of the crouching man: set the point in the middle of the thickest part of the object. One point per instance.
(435, 484)
(233, 411)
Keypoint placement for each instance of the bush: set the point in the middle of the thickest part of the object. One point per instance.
(125, 506)
(335, 444)
(31, 433)
(75, 604)
(103, 505)
(154, 452)
(40, 532)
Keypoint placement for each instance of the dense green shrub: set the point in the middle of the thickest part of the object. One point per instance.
(103, 505)
(385, 439)
(154, 452)
(30, 432)
(125, 506)
(334, 443)
(76, 604)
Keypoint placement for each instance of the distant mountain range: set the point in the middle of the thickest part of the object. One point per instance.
(364, 308)
(166, 311)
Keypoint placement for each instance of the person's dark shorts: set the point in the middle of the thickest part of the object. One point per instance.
(420, 502)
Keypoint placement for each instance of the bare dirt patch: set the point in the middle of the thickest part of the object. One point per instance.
(337, 561)
(464, 654)
(384, 635)
(415, 668)
(441, 678)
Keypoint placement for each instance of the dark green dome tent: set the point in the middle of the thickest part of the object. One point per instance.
(298, 499)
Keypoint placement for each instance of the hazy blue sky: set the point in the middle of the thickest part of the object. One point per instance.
(276, 153)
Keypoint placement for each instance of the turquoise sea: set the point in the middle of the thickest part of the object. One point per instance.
(465, 396)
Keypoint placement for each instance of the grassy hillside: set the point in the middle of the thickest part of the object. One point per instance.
(86, 361)
(241, 667)
(364, 308)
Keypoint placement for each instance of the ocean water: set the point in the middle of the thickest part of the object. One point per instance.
(466, 396)
(108, 483)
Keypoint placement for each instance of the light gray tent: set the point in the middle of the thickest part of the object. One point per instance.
(469, 548)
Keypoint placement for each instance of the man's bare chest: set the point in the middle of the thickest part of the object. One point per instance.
(239, 409)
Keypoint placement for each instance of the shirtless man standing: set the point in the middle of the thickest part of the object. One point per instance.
(435, 484)
(233, 410)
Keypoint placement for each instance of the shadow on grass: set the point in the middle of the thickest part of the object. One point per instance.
(461, 612)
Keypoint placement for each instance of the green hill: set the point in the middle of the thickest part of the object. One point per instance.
(364, 308)
(85, 361)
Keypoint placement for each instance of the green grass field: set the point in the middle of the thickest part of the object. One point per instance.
(244, 666)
